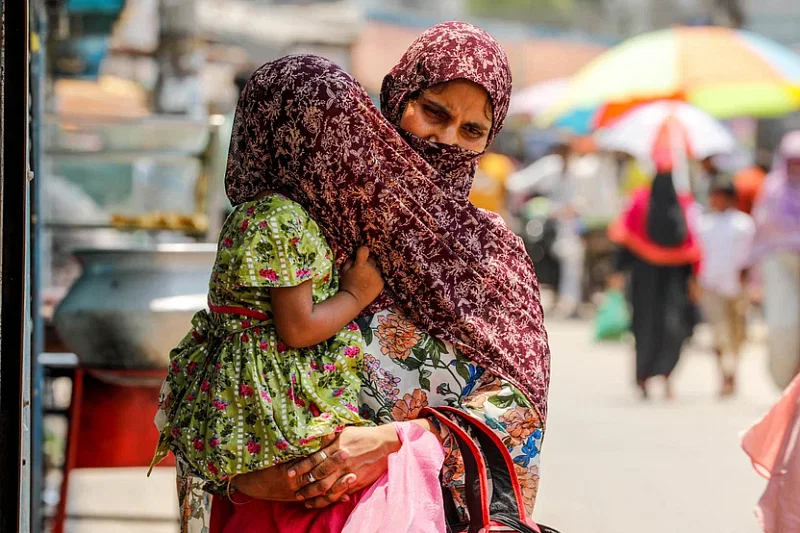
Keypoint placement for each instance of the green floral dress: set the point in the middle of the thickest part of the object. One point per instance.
(236, 398)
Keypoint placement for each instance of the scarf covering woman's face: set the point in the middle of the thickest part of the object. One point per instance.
(469, 59)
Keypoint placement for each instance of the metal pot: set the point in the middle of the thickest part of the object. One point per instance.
(130, 307)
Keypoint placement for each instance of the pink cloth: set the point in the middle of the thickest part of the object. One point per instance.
(772, 444)
(406, 499)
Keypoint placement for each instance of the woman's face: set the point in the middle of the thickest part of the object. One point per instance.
(457, 112)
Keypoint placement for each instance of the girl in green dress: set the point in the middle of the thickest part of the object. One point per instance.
(274, 364)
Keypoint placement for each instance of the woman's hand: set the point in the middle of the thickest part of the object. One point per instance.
(281, 482)
(367, 451)
(367, 459)
(355, 459)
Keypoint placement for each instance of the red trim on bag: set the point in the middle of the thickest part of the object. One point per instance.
(231, 310)
(503, 451)
(476, 453)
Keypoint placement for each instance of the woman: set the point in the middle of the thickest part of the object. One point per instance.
(777, 248)
(658, 246)
(462, 322)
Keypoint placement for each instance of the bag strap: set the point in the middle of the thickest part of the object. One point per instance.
(507, 495)
(504, 506)
(477, 497)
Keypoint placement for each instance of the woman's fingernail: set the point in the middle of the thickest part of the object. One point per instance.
(344, 453)
(299, 498)
(308, 506)
(292, 473)
(345, 498)
(351, 479)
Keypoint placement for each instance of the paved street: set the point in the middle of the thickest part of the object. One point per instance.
(614, 464)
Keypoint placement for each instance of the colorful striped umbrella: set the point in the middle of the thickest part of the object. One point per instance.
(727, 73)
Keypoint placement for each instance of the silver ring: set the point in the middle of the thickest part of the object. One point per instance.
(323, 456)
(311, 478)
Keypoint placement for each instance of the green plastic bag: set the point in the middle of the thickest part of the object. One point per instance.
(613, 319)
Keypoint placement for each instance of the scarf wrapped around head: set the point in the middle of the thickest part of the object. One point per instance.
(777, 209)
(306, 128)
(447, 52)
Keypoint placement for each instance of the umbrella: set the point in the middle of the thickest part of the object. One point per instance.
(648, 132)
(727, 73)
(533, 100)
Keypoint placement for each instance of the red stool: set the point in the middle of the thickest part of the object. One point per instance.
(111, 424)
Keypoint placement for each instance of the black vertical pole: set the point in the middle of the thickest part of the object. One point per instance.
(14, 318)
(38, 28)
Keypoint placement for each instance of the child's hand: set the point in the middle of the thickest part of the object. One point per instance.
(361, 278)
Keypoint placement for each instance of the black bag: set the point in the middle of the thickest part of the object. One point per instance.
(504, 510)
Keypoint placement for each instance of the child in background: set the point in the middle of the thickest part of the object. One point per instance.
(274, 364)
(726, 235)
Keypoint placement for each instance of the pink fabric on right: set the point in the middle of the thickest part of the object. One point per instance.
(772, 444)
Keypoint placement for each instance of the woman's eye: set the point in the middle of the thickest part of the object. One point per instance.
(474, 133)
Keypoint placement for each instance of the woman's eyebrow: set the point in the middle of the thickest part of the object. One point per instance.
(439, 107)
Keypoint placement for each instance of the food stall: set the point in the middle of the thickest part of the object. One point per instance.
(129, 163)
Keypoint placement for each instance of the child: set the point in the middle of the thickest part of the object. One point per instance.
(726, 234)
(274, 364)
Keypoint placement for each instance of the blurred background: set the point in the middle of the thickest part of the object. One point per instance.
(130, 105)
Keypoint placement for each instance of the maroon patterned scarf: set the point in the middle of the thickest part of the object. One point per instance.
(306, 128)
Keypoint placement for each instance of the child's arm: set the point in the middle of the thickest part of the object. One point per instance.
(301, 324)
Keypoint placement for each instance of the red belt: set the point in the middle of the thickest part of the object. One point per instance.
(232, 310)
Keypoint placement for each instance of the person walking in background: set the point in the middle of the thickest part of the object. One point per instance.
(552, 176)
(776, 247)
(657, 244)
(726, 235)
